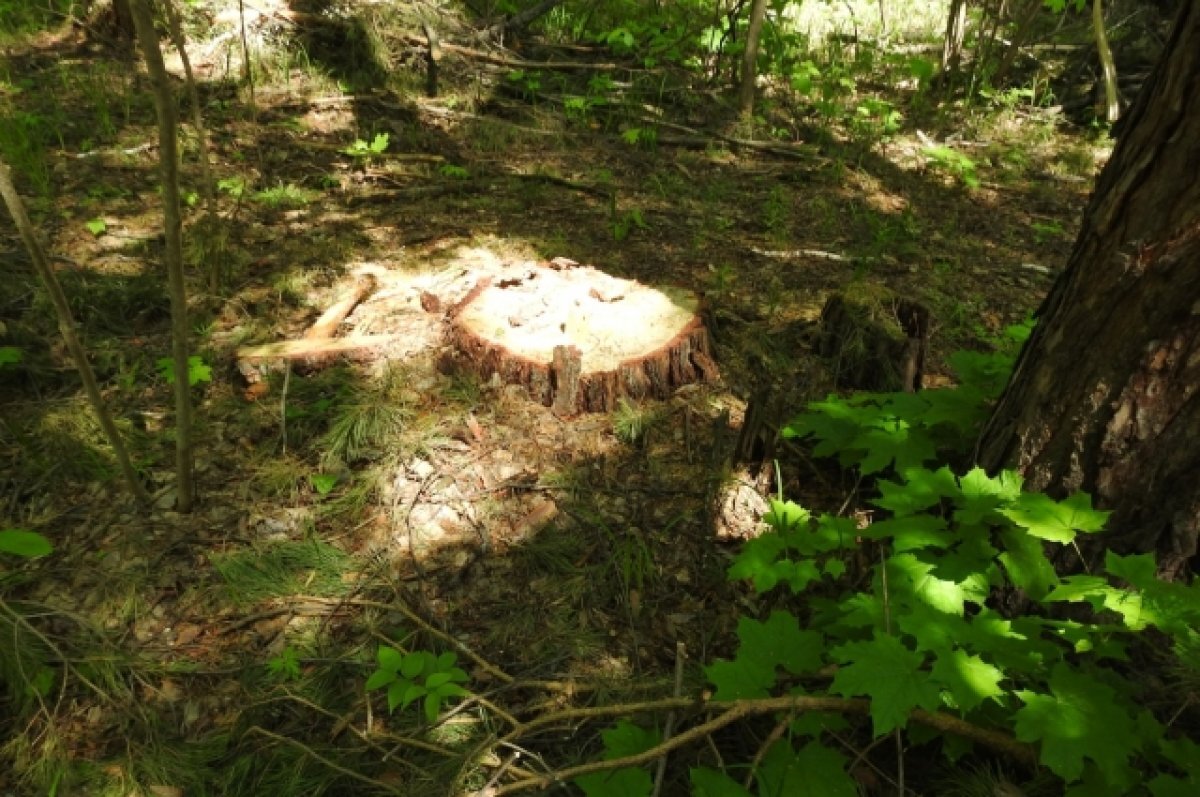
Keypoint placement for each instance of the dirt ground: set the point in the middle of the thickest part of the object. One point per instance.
(581, 547)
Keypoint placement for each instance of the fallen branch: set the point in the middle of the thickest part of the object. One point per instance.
(733, 711)
(327, 324)
(519, 20)
(520, 63)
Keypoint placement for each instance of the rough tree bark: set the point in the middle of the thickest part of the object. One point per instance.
(1104, 398)
(758, 12)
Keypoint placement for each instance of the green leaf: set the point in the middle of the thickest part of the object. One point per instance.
(740, 679)
(398, 691)
(1056, 521)
(816, 723)
(409, 693)
(389, 658)
(786, 516)
(415, 663)
(452, 690)
(627, 782)
(814, 771)
(1185, 755)
(1025, 560)
(922, 489)
(780, 642)
(198, 371)
(962, 408)
(628, 738)
(96, 227)
(890, 675)
(761, 561)
(380, 679)
(911, 533)
(969, 679)
(437, 679)
(933, 630)
(712, 783)
(1172, 607)
(980, 495)
(433, 706)
(323, 483)
(909, 575)
(42, 681)
(24, 543)
(1081, 718)
(897, 442)
(623, 739)
(10, 355)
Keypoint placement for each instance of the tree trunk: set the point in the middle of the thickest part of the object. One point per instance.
(1104, 398)
(1112, 106)
(168, 153)
(123, 20)
(952, 46)
(758, 12)
(66, 326)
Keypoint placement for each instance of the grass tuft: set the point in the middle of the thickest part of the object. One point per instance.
(283, 568)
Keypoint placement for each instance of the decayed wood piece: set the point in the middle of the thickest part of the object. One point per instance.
(579, 339)
(318, 347)
(327, 324)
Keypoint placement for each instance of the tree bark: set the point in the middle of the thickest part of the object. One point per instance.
(952, 46)
(168, 152)
(1112, 106)
(66, 326)
(1104, 398)
(758, 12)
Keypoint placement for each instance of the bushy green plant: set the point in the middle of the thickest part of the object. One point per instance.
(418, 675)
(904, 612)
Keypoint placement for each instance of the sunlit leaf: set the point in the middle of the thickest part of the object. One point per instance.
(890, 674)
(1080, 718)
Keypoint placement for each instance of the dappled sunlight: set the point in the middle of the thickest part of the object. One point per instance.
(501, 335)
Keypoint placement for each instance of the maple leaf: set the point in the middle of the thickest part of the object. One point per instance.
(910, 533)
(714, 783)
(1026, 563)
(911, 576)
(779, 642)
(763, 561)
(979, 494)
(623, 739)
(1056, 521)
(889, 674)
(628, 782)
(969, 679)
(893, 442)
(740, 679)
(813, 771)
(964, 408)
(922, 489)
(932, 630)
(1080, 718)
(1174, 608)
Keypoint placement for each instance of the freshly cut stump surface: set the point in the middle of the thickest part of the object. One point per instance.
(579, 339)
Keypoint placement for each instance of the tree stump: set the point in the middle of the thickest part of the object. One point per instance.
(875, 340)
(578, 339)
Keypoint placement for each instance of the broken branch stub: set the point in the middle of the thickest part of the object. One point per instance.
(579, 339)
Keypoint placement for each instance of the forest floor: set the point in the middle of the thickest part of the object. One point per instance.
(405, 501)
